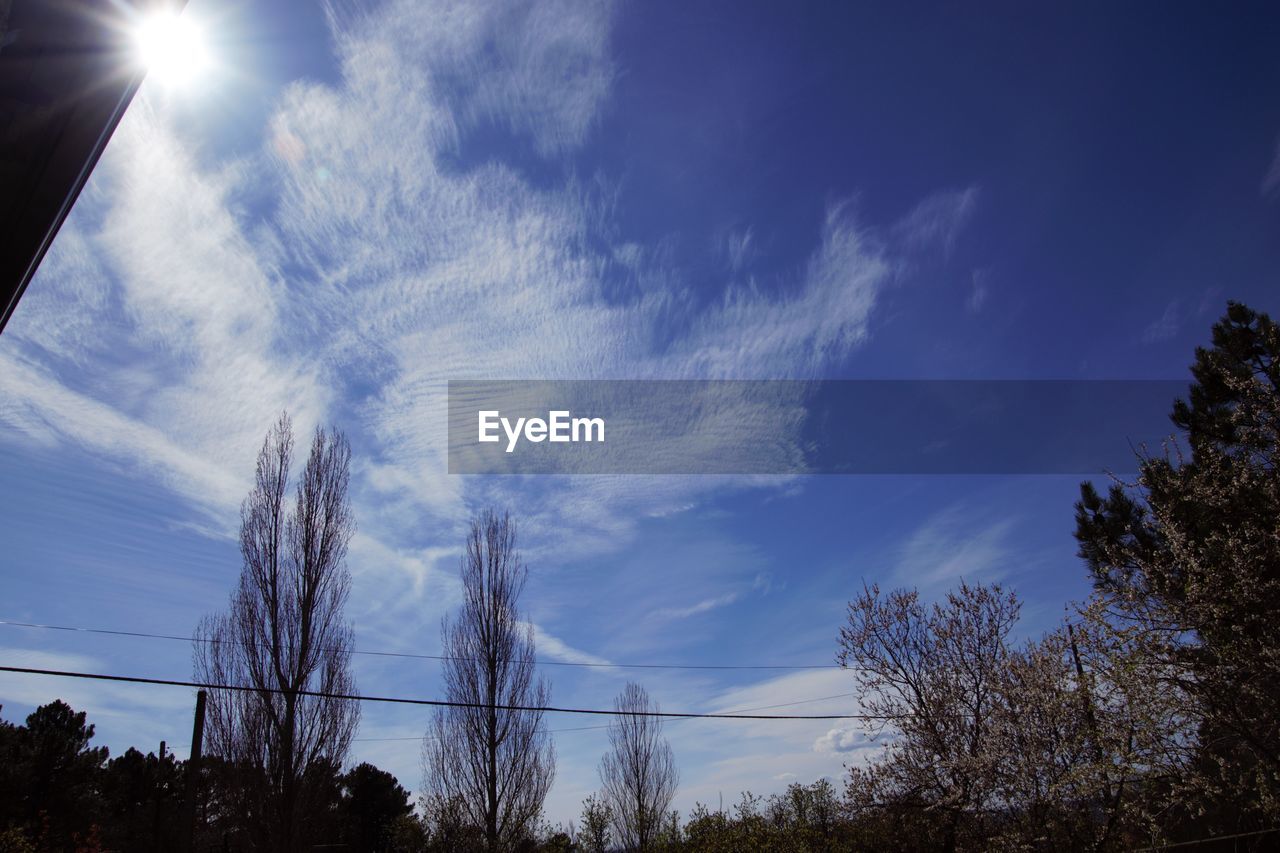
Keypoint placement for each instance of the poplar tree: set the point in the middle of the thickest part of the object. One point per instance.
(284, 636)
(481, 757)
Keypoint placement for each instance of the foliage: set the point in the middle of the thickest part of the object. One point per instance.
(141, 801)
(50, 777)
(408, 834)
(991, 743)
(803, 818)
(134, 801)
(931, 675)
(372, 804)
(14, 840)
(595, 829)
(1188, 557)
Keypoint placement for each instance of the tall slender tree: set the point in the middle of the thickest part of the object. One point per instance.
(493, 762)
(638, 774)
(285, 637)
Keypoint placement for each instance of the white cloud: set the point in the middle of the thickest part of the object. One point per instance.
(428, 273)
(725, 754)
(1271, 181)
(955, 544)
(71, 273)
(739, 246)
(381, 264)
(841, 739)
(1165, 326)
(701, 607)
(795, 334)
(553, 71)
(556, 649)
(121, 713)
(978, 292)
(185, 375)
(35, 403)
(936, 222)
(404, 271)
(542, 69)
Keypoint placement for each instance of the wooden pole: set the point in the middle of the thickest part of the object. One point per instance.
(157, 795)
(193, 777)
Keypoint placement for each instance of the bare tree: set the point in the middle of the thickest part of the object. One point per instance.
(495, 762)
(284, 636)
(933, 674)
(638, 774)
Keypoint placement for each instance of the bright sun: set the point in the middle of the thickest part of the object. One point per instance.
(171, 48)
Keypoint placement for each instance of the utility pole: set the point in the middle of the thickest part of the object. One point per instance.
(157, 795)
(1086, 695)
(193, 777)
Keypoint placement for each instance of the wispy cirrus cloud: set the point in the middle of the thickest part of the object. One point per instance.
(384, 269)
(979, 291)
(376, 259)
(761, 583)
(1271, 181)
(702, 606)
(557, 649)
(937, 221)
(35, 403)
(958, 543)
(1165, 326)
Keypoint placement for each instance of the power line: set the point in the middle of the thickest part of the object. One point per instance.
(146, 635)
(439, 703)
(596, 728)
(425, 737)
(428, 737)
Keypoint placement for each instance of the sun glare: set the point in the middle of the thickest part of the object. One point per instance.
(171, 48)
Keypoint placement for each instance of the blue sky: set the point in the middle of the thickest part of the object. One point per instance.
(360, 203)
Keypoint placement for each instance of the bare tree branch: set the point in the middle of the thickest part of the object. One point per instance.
(494, 764)
(284, 631)
(639, 773)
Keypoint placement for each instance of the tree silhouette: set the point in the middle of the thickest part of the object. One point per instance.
(372, 803)
(1189, 557)
(638, 773)
(282, 635)
(49, 775)
(493, 764)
